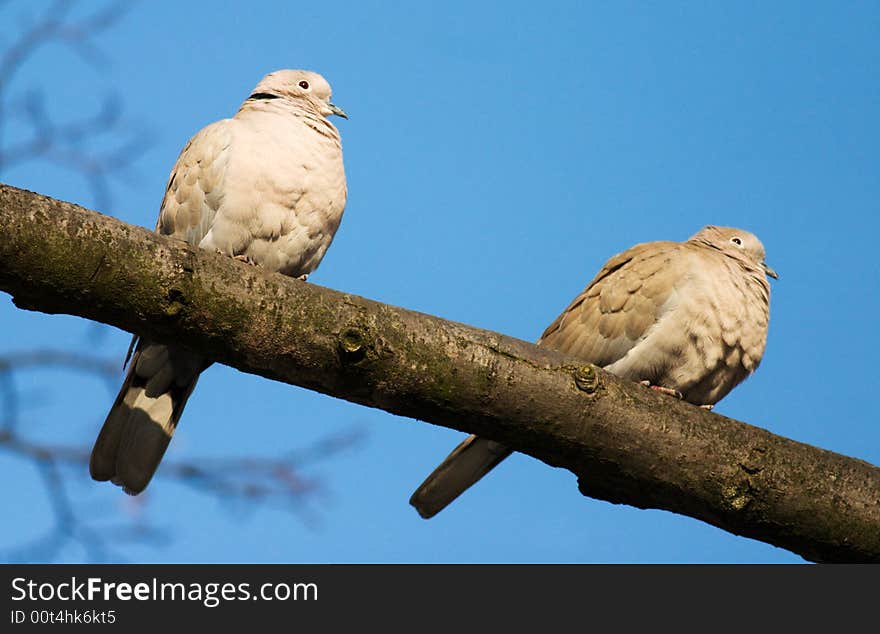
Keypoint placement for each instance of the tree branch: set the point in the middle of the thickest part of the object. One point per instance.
(625, 443)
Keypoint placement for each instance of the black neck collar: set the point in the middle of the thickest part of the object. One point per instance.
(262, 96)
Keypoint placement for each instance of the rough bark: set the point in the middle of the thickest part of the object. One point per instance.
(625, 443)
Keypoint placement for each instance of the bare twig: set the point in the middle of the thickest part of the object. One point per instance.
(53, 26)
(67, 144)
(250, 481)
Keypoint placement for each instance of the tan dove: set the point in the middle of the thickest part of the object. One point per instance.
(689, 318)
(266, 186)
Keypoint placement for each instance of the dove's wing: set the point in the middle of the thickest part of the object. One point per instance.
(196, 185)
(627, 298)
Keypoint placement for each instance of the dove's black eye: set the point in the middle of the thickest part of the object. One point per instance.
(736, 241)
(304, 84)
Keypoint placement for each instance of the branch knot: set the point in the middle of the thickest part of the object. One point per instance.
(352, 345)
(586, 379)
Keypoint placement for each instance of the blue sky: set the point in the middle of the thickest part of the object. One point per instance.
(497, 154)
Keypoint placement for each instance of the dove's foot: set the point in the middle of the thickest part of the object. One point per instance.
(304, 277)
(244, 258)
(708, 408)
(663, 390)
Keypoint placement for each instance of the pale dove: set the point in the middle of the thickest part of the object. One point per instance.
(266, 186)
(686, 317)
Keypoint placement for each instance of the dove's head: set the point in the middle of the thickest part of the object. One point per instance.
(737, 243)
(302, 87)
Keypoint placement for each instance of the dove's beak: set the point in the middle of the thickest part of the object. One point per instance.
(770, 272)
(339, 112)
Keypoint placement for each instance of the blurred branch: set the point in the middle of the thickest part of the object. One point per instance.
(250, 480)
(67, 144)
(54, 25)
(624, 442)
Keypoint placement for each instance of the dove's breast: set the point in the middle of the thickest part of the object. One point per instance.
(702, 335)
(714, 336)
(285, 192)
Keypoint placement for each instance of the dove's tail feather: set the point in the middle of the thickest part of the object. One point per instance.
(470, 461)
(142, 420)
